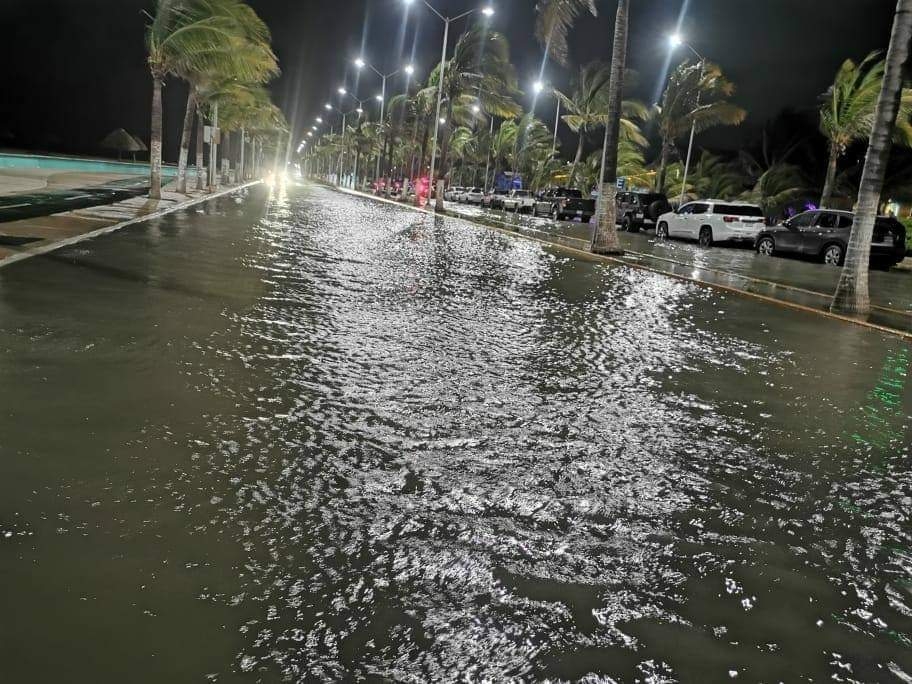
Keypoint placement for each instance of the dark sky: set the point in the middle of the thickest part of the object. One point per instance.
(72, 70)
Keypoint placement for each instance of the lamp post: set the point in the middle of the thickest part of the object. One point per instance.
(677, 41)
(359, 110)
(329, 107)
(487, 11)
(538, 87)
(408, 69)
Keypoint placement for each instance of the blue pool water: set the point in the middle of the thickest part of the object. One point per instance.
(29, 161)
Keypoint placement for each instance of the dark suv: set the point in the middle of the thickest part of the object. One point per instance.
(825, 235)
(637, 210)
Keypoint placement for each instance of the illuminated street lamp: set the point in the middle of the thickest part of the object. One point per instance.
(538, 88)
(381, 98)
(487, 11)
(676, 40)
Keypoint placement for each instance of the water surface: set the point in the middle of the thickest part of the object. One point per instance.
(309, 437)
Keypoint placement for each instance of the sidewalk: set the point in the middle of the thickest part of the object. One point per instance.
(33, 236)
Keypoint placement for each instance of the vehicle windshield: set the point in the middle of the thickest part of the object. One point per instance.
(739, 210)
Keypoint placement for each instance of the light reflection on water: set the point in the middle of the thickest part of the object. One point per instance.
(413, 449)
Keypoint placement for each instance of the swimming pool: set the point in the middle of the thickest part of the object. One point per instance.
(34, 161)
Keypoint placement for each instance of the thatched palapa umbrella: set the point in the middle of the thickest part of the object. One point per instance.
(122, 141)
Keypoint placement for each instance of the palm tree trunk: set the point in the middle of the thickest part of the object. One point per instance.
(605, 238)
(155, 143)
(852, 295)
(663, 167)
(445, 143)
(185, 142)
(579, 155)
(830, 183)
(200, 125)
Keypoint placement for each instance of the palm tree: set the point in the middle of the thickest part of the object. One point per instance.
(553, 22)
(852, 295)
(184, 36)
(847, 112)
(604, 237)
(478, 72)
(250, 61)
(694, 99)
(587, 108)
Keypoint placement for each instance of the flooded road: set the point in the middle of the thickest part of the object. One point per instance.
(312, 437)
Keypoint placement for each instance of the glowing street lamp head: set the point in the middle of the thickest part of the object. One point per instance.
(442, 120)
(379, 98)
(343, 91)
(409, 69)
(359, 110)
(538, 86)
(313, 128)
(676, 40)
(328, 106)
(476, 109)
(319, 119)
(360, 63)
(488, 11)
(310, 134)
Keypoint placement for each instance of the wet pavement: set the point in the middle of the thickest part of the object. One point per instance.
(314, 437)
(15, 207)
(735, 265)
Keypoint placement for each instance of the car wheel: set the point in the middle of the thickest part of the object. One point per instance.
(706, 236)
(833, 254)
(555, 216)
(626, 224)
(662, 231)
(766, 246)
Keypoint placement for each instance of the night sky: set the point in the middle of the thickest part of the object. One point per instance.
(72, 70)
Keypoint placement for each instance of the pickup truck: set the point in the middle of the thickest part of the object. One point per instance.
(564, 203)
(519, 200)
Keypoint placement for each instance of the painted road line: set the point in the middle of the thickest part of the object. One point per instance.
(14, 206)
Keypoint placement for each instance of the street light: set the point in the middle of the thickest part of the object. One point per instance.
(539, 87)
(319, 119)
(381, 98)
(487, 11)
(676, 40)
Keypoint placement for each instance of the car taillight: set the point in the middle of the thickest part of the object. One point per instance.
(730, 219)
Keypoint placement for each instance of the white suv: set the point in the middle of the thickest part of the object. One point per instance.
(519, 200)
(710, 221)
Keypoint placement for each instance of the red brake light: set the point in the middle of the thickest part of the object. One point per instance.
(730, 219)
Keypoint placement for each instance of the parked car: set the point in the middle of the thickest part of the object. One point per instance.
(519, 200)
(452, 193)
(825, 235)
(564, 203)
(494, 199)
(637, 210)
(712, 221)
(473, 195)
